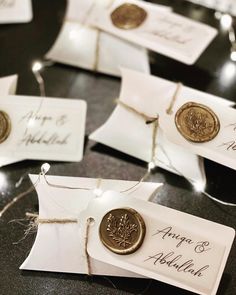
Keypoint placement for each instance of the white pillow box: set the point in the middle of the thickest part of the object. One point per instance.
(15, 11)
(8, 87)
(127, 132)
(61, 248)
(88, 48)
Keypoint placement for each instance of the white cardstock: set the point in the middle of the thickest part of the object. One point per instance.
(15, 11)
(127, 132)
(61, 248)
(86, 47)
(179, 249)
(164, 32)
(44, 128)
(8, 86)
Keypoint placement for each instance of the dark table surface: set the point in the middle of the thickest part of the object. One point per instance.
(214, 73)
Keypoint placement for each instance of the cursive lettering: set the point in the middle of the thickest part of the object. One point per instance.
(202, 247)
(62, 120)
(229, 146)
(169, 36)
(30, 117)
(167, 233)
(174, 261)
(44, 138)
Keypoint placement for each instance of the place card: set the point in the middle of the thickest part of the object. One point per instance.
(60, 247)
(86, 47)
(15, 11)
(177, 248)
(42, 128)
(164, 32)
(8, 86)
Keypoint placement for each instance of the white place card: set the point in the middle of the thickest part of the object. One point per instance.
(164, 32)
(15, 11)
(44, 128)
(178, 248)
(60, 248)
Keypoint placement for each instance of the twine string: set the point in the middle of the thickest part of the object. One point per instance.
(95, 66)
(86, 238)
(169, 110)
(38, 220)
(135, 111)
(83, 23)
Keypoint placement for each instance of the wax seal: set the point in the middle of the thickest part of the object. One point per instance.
(197, 122)
(5, 126)
(122, 230)
(128, 16)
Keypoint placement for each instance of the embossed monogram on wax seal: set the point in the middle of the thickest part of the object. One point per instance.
(197, 122)
(122, 230)
(5, 126)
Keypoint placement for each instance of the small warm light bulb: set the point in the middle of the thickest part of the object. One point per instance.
(199, 186)
(233, 56)
(45, 168)
(97, 192)
(37, 66)
(151, 166)
(226, 21)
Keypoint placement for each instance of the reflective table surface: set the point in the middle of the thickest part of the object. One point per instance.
(214, 73)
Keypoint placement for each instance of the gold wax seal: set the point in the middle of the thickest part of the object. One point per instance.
(196, 122)
(128, 16)
(122, 230)
(5, 126)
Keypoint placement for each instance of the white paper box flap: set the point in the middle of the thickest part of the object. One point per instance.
(167, 33)
(57, 247)
(15, 11)
(8, 84)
